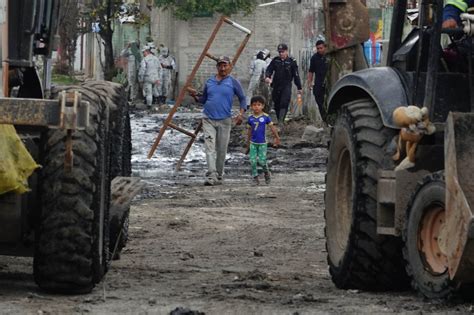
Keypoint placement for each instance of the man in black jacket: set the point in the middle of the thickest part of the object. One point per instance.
(280, 72)
(318, 66)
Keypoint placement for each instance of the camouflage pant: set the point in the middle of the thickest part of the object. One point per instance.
(258, 156)
(149, 90)
(165, 84)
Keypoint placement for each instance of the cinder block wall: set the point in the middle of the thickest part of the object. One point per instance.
(294, 23)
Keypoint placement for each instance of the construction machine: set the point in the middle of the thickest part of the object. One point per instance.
(388, 226)
(74, 214)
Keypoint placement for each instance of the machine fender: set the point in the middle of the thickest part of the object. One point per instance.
(383, 85)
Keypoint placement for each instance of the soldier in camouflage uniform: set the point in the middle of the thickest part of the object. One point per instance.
(149, 75)
(168, 64)
(132, 53)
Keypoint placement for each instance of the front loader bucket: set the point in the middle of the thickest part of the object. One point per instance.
(459, 174)
(346, 22)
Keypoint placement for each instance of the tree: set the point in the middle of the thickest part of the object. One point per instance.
(186, 9)
(104, 12)
(68, 32)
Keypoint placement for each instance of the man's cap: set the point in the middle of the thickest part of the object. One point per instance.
(223, 59)
(146, 48)
(282, 47)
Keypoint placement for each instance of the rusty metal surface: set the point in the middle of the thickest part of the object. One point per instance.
(406, 183)
(430, 237)
(394, 191)
(347, 22)
(347, 26)
(345, 61)
(39, 112)
(386, 198)
(459, 172)
(69, 105)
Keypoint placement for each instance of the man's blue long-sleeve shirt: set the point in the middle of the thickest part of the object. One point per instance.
(218, 96)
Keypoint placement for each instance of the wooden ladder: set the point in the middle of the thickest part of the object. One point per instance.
(182, 93)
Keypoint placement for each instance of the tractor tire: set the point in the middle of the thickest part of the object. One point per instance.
(126, 171)
(358, 257)
(425, 263)
(119, 221)
(121, 147)
(72, 249)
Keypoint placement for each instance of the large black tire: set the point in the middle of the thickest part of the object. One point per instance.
(72, 237)
(357, 256)
(119, 221)
(426, 264)
(115, 95)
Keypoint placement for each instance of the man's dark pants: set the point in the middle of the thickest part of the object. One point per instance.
(281, 96)
(318, 92)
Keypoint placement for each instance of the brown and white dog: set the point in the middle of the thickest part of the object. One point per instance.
(414, 123)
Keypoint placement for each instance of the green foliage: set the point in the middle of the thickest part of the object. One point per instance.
(186, 9)
(61, 79)
(120, 77)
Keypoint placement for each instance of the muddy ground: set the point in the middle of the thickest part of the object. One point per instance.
(230, 249)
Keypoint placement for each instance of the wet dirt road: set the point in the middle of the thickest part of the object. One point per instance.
(230, 249)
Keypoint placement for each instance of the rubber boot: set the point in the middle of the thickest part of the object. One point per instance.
(282, 115)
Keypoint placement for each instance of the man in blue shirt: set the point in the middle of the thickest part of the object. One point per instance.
(217, 98)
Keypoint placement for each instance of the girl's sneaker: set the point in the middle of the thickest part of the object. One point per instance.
(255, 181)
(267, 178)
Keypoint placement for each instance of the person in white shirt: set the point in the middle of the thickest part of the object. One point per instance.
(257, 73)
